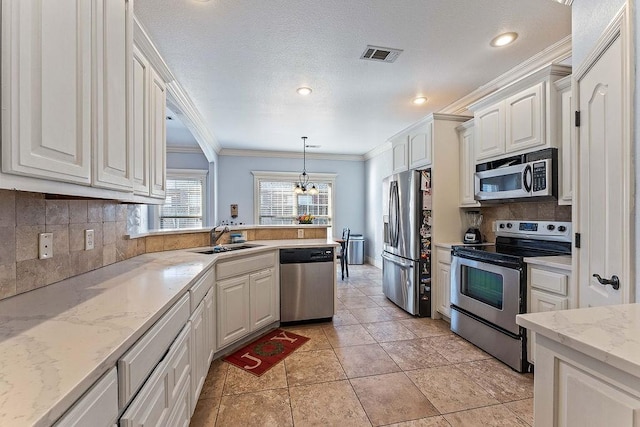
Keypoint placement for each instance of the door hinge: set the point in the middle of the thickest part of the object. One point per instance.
(577, 240)
(577, 119)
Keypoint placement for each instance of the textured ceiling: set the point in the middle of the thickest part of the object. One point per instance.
(241, 61)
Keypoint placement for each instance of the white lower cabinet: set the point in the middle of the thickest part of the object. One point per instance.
(263, 299)
(167, 388)
(573, 389)
(548, 290)
(443, 280)
(202, 337)
(98, 407)
(233, 310)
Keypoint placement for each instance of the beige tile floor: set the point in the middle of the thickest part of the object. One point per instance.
(373, 365)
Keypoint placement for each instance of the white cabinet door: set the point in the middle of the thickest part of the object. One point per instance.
(200, 353)
(140, 122)
(210, 324)
(524, 119)
(264, 299)
(420, 146)
(158, 135)
(444, 288)
(46, 89)
(606, 180)
(586, 400)
(400, 154)
(489, 133)
(565, 180)
(467, 168)
(544, 301)
(113, 152)
(233, 310)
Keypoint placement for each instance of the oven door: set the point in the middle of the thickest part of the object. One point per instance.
(488, 291)
(509, 182)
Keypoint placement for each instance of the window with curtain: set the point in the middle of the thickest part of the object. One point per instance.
(184, 204)
(276, 203)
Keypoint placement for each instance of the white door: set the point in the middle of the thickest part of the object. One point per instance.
(158, 135)
(264, 308)
(140, 122)
(523, 115)
(489, 132)
(233, 310)
(604, 179)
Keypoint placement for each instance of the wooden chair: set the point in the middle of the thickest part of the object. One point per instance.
(343, 256)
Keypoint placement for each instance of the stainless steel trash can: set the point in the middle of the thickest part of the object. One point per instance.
(356, 249)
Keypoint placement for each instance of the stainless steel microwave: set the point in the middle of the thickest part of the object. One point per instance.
(519, 177)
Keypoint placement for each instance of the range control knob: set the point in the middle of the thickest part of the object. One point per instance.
(551, 227)
(562, 229)
(501, 225)
(509, 225)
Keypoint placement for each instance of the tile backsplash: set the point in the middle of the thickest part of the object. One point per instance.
(23, 216)
(534, 211)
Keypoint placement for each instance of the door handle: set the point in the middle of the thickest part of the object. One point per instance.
(401, 264)
(614, 281)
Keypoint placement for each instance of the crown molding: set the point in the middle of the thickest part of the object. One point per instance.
(177, 98)
(385, 146)
(143, 41)
(551, 55)
(184, 150)
(289, 155)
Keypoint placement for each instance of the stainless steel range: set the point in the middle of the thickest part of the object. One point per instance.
(489, 285)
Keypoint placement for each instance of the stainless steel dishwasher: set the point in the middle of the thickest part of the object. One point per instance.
(306, 284)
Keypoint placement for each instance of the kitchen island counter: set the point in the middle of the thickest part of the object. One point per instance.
(56, 341)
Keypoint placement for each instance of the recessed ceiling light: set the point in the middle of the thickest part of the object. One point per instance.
(419, 100)
(304, 91)
(504, 39)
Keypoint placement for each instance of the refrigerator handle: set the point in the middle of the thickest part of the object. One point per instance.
(401, 264)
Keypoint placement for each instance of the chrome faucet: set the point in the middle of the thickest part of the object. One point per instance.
(215, 236)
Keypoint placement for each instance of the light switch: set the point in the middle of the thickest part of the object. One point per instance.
(89, 240)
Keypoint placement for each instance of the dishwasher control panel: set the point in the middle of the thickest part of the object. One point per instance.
(306, 255)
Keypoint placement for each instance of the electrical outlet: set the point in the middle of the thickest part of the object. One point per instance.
(300, 233)
(45, 245)
(88, 240)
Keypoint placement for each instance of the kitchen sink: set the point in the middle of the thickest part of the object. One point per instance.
(227, 248)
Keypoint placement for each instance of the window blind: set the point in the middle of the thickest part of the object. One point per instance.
(278, 204)
(184, 205)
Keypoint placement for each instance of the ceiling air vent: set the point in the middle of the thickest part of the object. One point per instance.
(380, 54)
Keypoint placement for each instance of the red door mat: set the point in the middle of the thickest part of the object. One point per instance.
(265, 352)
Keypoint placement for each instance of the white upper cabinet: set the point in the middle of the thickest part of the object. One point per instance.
(524, 116)
(467, 165)
(565, 181)
(83, 113)
(158, 136)
(400, 151)
(420, 145)
(490, 136)
(140, 90)
(113, 145)
(46, 89)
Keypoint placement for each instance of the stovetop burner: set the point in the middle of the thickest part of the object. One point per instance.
(518, 239)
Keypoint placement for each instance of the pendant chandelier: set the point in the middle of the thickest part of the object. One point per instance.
(303, 186)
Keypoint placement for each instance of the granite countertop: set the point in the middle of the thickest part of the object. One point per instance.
(610, 334)
(561, 261)
(56, 341)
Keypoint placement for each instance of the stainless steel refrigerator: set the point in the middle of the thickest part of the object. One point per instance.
(406, 259)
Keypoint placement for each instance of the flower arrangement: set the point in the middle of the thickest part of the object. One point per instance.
(305, 219)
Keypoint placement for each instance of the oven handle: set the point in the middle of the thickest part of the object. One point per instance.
(401, 264)
(501, 263)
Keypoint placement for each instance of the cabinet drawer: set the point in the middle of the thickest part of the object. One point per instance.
(244, 265)
(164, 388)
(443, 255)
(200, 289)
(98, 407)
(134, 367)
(549, 281)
